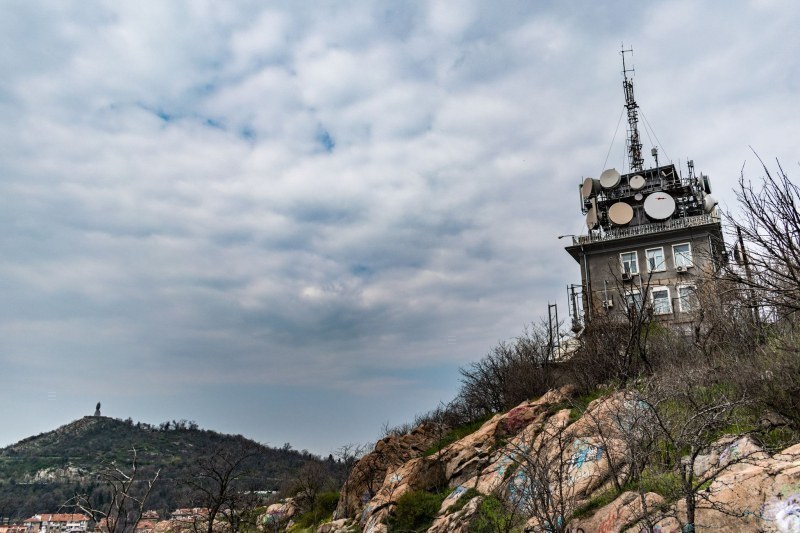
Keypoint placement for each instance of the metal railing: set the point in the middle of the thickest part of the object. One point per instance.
(646, 229)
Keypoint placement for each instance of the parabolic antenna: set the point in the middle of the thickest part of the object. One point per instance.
(638, 196)
(637, 182)
(709, 202)
(659, 206)
(620, 213)
(591, 218)
(609, 178)
(590, 187)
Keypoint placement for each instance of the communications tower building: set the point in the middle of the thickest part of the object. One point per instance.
(652, 235)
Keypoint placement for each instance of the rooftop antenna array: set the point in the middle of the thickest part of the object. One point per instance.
(642, 197)
(634, 144)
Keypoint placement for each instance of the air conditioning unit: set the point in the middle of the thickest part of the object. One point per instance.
(627, 276)
(681, 269)
(608, 304)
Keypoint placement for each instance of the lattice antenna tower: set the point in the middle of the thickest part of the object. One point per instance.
(634, 144)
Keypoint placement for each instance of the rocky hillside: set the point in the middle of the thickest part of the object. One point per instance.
(553, 464)
(41, 473)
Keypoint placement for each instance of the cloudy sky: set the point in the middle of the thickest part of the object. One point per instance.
(296, 220)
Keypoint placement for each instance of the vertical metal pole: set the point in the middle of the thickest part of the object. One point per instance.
(750, 291)
(549, 333)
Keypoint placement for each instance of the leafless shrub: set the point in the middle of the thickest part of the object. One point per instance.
(510, 373)
(552, 475)
(686, 412)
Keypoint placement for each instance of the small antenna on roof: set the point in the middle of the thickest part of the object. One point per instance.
(634, 144)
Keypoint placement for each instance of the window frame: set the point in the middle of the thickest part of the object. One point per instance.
(669, 309)
(636, 262)
(633, 298)
(657, 268)
(692, 294)
(685, 257)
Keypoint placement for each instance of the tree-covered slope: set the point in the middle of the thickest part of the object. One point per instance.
(41, 473)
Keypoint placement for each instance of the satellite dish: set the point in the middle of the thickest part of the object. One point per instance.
(659, 205)
(709, 202)
(637, 182)
(591, 218)
(620, 213)
(609, 178)
(638, 197)
(590, 187)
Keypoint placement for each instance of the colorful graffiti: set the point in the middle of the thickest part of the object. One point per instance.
(497, 471)
(516, 419)
(731, 453)
(520, 488)
(784, 512)
(456, 494)
(585, 452)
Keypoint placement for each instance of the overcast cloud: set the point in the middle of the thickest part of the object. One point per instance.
(296, 220)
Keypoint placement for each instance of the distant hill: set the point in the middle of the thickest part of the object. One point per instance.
(39, 474)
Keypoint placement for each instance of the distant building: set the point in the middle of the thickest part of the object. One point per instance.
(13, 529)
(652, 236)
(62, 523)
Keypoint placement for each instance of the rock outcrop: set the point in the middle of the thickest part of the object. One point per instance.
(545, 457)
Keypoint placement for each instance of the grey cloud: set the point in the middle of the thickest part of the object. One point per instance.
(314, 198)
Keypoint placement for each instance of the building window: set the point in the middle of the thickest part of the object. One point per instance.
(661, 302)
(633, 300)
(687, 299)
(655, 259)
(630, 263)
(682, 254)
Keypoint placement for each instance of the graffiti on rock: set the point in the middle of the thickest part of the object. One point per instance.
(783, 512)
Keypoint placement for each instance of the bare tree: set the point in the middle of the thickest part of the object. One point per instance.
(347, 456)
(311, 479)
(217, 484)
(126, 496)
(553, 474)
(681, 416)
(769, 227)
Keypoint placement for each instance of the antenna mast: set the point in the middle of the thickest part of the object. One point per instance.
(634, 144)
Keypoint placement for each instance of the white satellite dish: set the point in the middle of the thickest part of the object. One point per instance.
(610, 178)
(659, 205)
(620, 213)
(637, 182)
(590, 187)
(591, 218)
(709, 202)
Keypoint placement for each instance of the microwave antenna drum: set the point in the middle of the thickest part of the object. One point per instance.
(621, 213)
(659, 205)
(590, 187)
(609, 178)
(709, 202)
(591, 218)
(637, 182)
